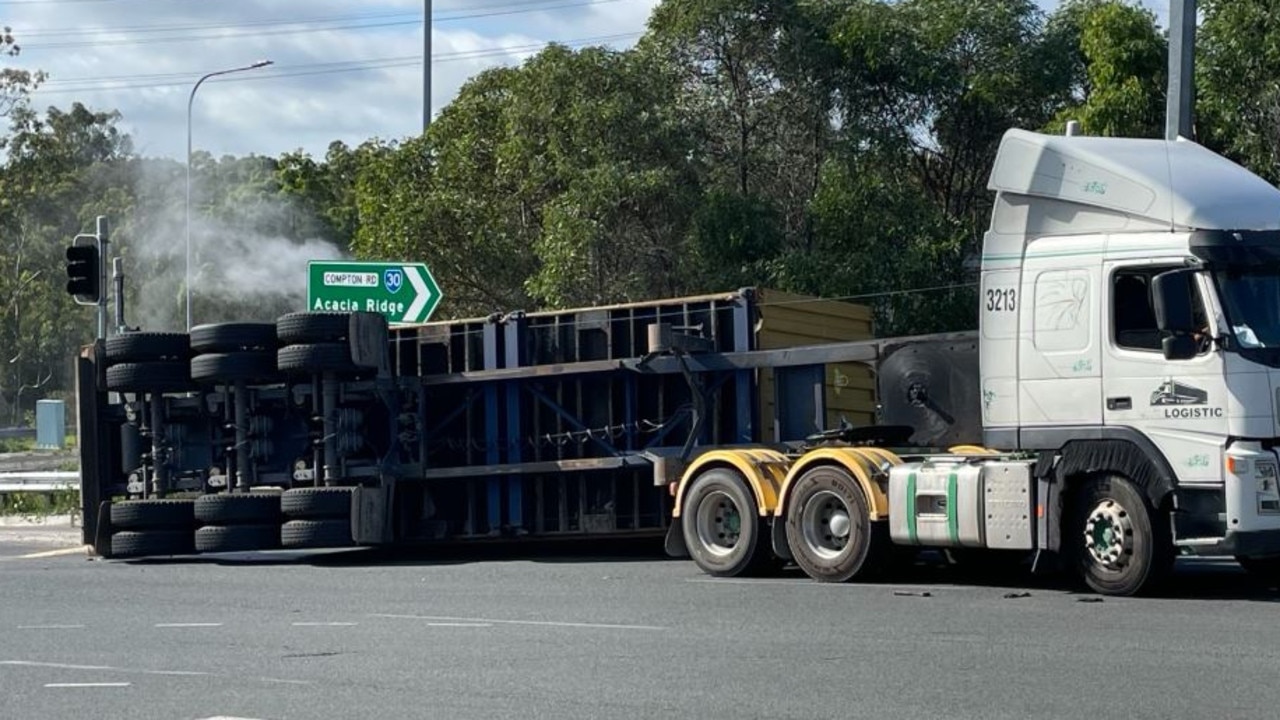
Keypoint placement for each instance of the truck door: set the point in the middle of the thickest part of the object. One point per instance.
(1178, 404)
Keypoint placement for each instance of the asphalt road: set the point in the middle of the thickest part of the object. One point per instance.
(363, 635)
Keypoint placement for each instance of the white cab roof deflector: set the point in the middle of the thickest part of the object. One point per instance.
(1179, 185)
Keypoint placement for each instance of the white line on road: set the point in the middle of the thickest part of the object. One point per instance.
(59, 666)
(541, 623)
(323, 624)
(50, 627)
(281, 681)
(459, 624)
(88, 685)
(78, 550)
(188, 625)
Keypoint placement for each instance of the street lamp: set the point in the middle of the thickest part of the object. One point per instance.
(190, 100)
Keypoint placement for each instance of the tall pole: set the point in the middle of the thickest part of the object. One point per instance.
(426, 65)
(1179, 115)
(190, 101)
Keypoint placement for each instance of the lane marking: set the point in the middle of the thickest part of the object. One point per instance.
(459, 624)
(51, 627)
(88, 685)
(537, 623)
(58, 666)
(188, 625)
(226, 717)
(56, 553)
(323, 624)
(140, 671)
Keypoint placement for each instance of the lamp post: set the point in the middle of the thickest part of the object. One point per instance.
(190, 100)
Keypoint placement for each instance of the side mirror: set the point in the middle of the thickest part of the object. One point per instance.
(1172, 295)
(1179, 347)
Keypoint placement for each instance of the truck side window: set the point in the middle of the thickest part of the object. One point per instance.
(1133, 311)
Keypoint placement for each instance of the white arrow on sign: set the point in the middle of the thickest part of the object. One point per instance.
(423, 294)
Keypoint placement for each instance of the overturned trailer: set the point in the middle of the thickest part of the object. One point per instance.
(334, 430)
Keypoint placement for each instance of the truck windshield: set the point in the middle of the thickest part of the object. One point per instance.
(1251, 299)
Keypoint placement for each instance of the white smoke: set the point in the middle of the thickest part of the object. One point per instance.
(237, 274)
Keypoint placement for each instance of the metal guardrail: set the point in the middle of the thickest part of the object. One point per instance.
(39, 481)
(16, 432)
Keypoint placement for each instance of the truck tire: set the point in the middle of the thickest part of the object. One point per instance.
(237, 538)
(317, 503)
(153, 514)
(722, 527)
(315, 359)
(147, 347)
(238, 509)
(249, 366)
(1115, 541)
(149, 377)
(316, 534)
(829, 529)
(233, 337)
(303, 328)
(152, 543)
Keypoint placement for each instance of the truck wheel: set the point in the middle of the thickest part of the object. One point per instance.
(317, 502)
(249, 366)
(238, 509)
(153, 514)
(237, 538)
(722, 527)
(318, 358)
(1117, 542)
(147, 347)
(303, 328)
(152, 543)
(316, 534)
(151, 376)
(233, 337)
(829, 529)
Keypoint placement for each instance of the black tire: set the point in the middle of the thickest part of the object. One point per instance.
(249, 366)
(153, 514)
(314, 359)
(148, 347)
(317, 503)
(814, 508)
(238, 509)
(152, 543)
(1139, 535)
(233, 338)
(304, 328)
(237, 538)
(150, 377)
(316, 534)
(723, 530)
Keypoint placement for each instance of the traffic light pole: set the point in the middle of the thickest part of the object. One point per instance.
(104, 242)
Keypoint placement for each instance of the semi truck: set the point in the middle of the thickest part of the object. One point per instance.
(1117, 406)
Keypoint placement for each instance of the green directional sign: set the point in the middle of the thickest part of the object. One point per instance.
(403, 292)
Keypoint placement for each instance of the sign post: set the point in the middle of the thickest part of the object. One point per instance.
(403, 292)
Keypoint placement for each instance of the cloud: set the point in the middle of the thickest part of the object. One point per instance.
(341, 70)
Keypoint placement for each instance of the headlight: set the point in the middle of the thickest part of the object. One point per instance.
(1264, 474)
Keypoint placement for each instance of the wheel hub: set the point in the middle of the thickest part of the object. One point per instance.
(1108, 535)
(825, 525)
(719, 523)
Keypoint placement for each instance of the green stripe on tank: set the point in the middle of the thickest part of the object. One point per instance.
(953, 513)
(911, 509)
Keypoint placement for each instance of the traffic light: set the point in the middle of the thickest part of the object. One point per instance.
(84, 273)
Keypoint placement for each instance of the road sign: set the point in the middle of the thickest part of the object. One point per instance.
(403, 292)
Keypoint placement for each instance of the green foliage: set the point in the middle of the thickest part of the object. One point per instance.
(1237, 79)
(38, 505)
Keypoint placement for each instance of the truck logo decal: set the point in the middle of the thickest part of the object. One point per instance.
(1176, 393)
(1174, 396)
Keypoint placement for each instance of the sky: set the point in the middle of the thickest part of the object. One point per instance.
(340, 70)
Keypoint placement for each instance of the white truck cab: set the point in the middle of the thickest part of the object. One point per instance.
(1130, 335)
